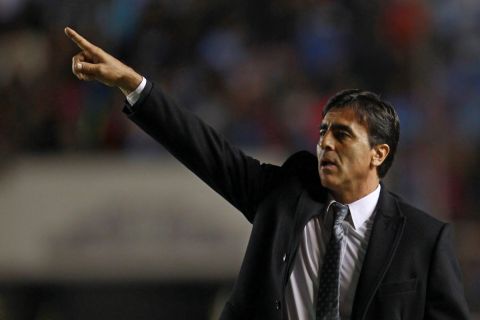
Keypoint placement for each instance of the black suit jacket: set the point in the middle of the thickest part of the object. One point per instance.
(410, 270)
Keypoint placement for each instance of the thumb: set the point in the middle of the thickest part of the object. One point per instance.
(87, 68)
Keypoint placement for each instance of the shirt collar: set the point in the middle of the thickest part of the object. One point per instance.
(362, 209)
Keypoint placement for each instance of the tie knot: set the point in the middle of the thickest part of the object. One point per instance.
(340, 212)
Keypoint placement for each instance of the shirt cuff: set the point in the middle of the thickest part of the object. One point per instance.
(133, 96)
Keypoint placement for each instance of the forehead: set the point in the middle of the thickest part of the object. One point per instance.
(345, 116)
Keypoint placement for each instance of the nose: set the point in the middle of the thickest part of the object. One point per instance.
(326, 141)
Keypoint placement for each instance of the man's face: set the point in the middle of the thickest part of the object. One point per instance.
(343, 151)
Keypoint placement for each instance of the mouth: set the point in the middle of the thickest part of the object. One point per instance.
(327, 164)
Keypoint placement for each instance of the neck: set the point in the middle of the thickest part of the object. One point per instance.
(349, 194)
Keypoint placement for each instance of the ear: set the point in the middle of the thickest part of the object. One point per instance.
(379, 154)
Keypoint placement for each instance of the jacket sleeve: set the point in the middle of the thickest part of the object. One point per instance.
(445, 294)
(240, 179)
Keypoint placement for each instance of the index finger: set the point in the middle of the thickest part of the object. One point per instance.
(80, 41)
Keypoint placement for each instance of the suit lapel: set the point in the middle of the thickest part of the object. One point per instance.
(386, 234)
(311, 203)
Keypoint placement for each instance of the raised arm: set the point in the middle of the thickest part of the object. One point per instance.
(240, 179)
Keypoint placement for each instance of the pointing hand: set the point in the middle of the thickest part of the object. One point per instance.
(92, 63)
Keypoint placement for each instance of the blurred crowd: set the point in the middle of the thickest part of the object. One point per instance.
(259, 72)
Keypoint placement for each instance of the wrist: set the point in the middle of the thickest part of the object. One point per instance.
(130, 81)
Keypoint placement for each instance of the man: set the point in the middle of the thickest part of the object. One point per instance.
(328, 240)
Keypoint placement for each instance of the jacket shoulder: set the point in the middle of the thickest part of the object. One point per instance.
(417, 215)
(300, 160)
(302, 166)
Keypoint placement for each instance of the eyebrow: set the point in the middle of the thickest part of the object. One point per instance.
(337, 127)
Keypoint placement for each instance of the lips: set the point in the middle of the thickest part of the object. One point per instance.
(326, 161)
(328, 164)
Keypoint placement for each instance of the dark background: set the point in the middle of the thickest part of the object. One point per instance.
(259, 72)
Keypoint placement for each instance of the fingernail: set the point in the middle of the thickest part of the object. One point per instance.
(79, 66)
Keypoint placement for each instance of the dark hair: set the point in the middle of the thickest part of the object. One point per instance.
(380, 118)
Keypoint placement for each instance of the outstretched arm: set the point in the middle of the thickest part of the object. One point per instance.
(240, 179)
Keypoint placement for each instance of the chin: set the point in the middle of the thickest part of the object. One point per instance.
(328, 181)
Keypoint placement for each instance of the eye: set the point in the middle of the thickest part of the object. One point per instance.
(340, 135)
(322, 132)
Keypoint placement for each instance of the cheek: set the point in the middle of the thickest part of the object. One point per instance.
(359, 159)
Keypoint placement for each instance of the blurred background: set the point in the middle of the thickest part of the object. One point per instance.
(93, 224)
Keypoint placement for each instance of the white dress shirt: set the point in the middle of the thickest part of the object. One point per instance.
(133, 96)
(302, 287)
